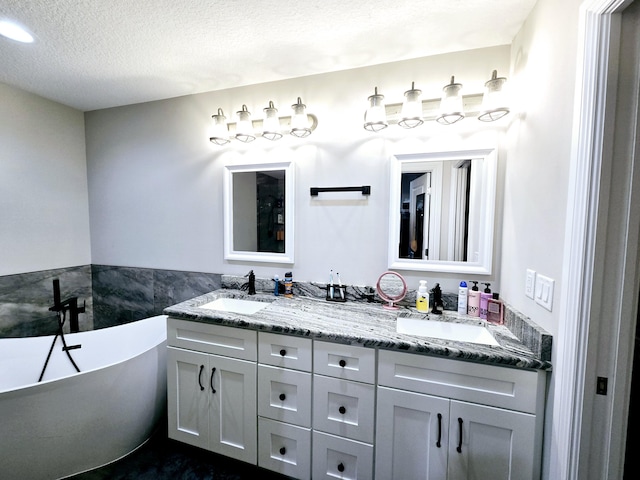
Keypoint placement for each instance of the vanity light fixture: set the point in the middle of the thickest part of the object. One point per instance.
(451, 109)
(244, 127)
(271, 123)
(300, 124)
(494, 102)
(220, 130)
(375, 118)
(411, 108)
(300, 121)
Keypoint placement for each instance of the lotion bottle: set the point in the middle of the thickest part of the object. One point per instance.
(463, 292)
(484, 300)
(495, 310)
(422, 297)
(474, 300)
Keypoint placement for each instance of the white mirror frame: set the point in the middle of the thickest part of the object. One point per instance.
(248, 256)
(487, 207)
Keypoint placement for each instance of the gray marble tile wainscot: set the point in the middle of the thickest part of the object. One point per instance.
(357, 323)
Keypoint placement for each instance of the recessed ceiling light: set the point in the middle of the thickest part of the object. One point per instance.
(14, 32)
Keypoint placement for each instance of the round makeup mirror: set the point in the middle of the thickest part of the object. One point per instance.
(392, 288)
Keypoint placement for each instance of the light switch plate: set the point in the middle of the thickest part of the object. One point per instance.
(544, 291)
(530, 284)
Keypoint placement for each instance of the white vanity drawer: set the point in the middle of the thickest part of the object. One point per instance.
(335, 457)
(284, 448)
(344, 361)
(284, 351)
(284, 395)
(217, 339)
(344, 408)
(486, 384)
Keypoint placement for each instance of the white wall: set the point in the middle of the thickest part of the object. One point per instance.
(536, 182)
(155, 180)
(44, 216)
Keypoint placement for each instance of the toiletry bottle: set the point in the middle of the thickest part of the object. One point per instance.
(422, 297)
(463, 292)
(495, 309)
(474, 300)
(484, 300)
(276, 288)
(288, 285)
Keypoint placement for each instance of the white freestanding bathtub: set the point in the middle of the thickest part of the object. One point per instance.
(73, 422)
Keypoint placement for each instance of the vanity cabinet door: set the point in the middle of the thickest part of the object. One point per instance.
(212, 403)
(489, 442)
(188, 396)
(412, 435)
(233, 414)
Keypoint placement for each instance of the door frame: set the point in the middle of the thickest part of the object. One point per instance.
(578, 415)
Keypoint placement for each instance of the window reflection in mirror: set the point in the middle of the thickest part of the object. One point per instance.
(258, 213)
(442, 211)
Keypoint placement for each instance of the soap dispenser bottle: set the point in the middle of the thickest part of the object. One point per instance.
(484, 301)
(422, 297)
(463, 292)
(474, 300)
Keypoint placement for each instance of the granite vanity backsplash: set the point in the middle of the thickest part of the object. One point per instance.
(531, 335)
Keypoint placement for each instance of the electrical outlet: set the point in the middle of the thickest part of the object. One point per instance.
(529, 286)
(544, 291)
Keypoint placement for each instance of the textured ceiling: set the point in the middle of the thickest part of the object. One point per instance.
(92, 54)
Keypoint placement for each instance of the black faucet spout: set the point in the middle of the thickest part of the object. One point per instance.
(251, 284)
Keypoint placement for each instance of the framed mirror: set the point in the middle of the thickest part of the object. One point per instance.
(442, 208)
(258, 212)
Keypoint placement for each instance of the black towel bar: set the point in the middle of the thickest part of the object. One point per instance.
(365, 189)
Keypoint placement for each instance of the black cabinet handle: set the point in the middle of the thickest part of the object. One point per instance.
(438, 444)
(342, 410)
(283, 450)
(282, 397)
(200, 377)
(213, 370)
(283, 352)
(341, 467)
(459, 449)
(343, 364)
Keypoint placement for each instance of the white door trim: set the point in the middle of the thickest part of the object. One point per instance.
(579, 250)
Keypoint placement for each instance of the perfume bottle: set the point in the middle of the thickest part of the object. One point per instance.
(495, 310)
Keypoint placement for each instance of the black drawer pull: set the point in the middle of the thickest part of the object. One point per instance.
(200, 377)
(343, 364)
(283, 352)
(213, 370)
(438, 443)
(282, 397)
(459, 448)
(283, 450)
(342, 410)
(341, 467)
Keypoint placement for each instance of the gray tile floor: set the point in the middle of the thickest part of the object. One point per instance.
(161, 458)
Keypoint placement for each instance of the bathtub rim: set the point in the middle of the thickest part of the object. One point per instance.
(34, 386)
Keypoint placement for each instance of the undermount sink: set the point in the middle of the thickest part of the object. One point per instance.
(236, 305)
(459, 332)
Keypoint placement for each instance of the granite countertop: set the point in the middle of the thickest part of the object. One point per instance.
(359, 323)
